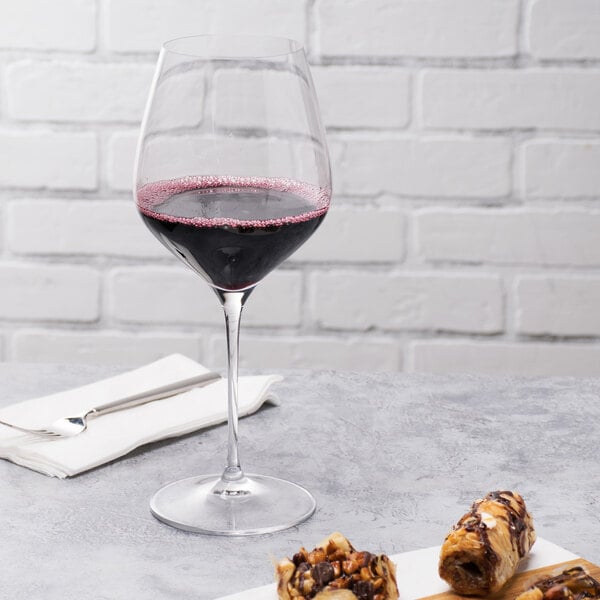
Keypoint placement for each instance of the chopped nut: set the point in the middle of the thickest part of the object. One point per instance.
(339, 584)
(316, 556)
(336, 554)
(364, 558)
(337, 568)
(349, 566)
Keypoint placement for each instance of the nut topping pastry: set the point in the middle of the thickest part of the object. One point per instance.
(572, 584)
(482, 551)
(335, 570)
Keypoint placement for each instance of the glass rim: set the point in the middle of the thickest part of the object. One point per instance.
(294, 46)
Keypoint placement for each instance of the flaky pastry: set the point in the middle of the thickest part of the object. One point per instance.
(482, 551)
(572, 584)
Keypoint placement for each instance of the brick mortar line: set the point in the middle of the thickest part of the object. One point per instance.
(411, 131)
(524, 19)
(517, 165)
(385, 202)
(3, 95)
(104, 55)
(197, 328)
(412, 261)
(78, 59)
(459, 269)
(107, 318)
(311, 33)
(509, 303)
(409, 233)
(3, 232)
(391, 201)
(412, 264)
(306, 320)
(414, 103)
(341, 135)
(516, 63)
(11, 125)
(101, 27)
(371, 334)
(374, 334)
(102, 164)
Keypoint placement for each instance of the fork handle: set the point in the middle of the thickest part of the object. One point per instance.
(154, 394)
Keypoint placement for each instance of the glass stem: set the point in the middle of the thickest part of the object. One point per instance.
(232, 302)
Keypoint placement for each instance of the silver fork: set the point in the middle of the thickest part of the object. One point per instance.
(70, 426)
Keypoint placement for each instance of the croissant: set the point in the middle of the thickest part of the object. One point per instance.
(334, 570)
(482, 551)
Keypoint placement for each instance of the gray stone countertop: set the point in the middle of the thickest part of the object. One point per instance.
(393, 461)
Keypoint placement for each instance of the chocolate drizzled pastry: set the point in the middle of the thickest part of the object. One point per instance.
(482, 551)
(572, 584)
(334, 570)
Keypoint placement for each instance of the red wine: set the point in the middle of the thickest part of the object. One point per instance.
(232, 230)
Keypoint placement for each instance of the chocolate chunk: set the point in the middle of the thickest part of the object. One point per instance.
(364, 590)
(303, 567)
(322, 573)
(298, 558)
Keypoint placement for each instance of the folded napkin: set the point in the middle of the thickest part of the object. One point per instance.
(115, 434)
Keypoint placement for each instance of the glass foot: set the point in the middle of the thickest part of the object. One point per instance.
(252, 505)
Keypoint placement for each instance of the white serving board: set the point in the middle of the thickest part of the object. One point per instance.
(417, 573)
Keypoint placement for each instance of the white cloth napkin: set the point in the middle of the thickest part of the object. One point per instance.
(115, 434)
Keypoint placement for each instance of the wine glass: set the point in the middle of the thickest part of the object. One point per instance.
(232, 176)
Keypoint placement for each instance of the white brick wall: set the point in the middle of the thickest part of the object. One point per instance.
(438, 28)
(77, 91)
(389, 302)
(565, 305)
(450, 356)
(300, 352)
(512, 236)
(463, 235)
(106, 347)
(424, 166)
(42, 158)
(347, 100)
(49, 292)
(68, 25)
(121, 158)
(565, 29)
(561, 168)
(78, 227)
(143, 25)
(362, 235)
(184, 298)
(547, 98)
